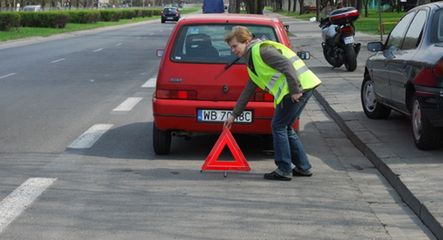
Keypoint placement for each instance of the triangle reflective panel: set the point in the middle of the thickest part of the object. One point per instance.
(239, 163)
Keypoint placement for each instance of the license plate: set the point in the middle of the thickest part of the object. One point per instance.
(348, 40)
(208, 115)
(169, 18)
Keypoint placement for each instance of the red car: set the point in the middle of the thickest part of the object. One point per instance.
(196, 90)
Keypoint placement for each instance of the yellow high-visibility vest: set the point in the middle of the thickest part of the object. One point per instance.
(273, 81)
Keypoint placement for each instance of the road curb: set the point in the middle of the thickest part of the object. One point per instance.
(403, 191)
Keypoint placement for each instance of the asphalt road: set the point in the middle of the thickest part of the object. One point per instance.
(60, 181)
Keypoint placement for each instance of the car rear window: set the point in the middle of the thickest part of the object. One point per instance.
(170, 10)
(205, 43)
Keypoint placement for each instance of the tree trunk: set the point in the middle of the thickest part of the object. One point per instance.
(302, 6)
(289, 5)
(359, 3)
(294, 8)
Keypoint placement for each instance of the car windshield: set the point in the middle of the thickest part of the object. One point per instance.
(205, 43)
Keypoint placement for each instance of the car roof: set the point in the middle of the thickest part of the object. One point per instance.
(229, 18)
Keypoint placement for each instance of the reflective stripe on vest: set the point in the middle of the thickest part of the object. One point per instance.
(275, 82)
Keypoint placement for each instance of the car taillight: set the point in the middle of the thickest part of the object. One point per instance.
(438, 69)
(175, 94)
(263, 97)
(346, 29)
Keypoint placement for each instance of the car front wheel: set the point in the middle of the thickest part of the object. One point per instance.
(371, 107)
(426, 136)
(161, 141)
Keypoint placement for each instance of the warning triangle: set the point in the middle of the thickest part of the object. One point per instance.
(239, 163)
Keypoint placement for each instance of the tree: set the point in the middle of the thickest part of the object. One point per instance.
(302, 6)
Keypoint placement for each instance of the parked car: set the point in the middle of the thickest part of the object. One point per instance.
(170, 14)
(406, 74)
(195, 93)
(32, 8)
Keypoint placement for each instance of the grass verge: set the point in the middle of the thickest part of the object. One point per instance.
(26, 32)
(369, 24)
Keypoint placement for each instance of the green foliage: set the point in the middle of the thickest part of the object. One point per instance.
(44, 19)
(84, 16)
(110, 15)
(9, 20)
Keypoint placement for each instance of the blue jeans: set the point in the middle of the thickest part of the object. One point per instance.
(288, 149)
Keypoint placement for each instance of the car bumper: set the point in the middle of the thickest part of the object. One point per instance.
(181, 115)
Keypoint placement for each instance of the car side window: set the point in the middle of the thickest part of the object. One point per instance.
(440, 27)
(397, 34)
(414, 34)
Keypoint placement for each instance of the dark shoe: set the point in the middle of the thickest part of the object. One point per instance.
(300, 173)
(275, 176)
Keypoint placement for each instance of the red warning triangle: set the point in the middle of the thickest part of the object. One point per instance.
(239, 163)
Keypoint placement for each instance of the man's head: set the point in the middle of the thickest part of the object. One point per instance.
(238, 39)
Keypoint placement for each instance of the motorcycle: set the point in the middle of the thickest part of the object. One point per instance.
(338, 32)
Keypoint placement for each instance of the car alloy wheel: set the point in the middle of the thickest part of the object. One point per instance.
(426, 136)
(372, 108)
(416, 120)
(370, 101)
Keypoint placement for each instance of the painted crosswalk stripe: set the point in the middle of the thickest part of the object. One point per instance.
(98, 50)
(21, 198)
(150, 83)
(7, 75)
(88, 138)
(58, 60)
(128, 104)
(118, 44)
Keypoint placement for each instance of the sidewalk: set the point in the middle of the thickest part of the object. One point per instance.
(416, 175)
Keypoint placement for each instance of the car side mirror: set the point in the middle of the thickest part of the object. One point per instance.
(304, 55)
(375, 46)
(287, 27)
(160, 52)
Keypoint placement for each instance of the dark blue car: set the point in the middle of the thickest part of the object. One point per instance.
(406, 74)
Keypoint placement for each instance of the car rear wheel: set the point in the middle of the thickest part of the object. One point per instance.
(426, 136)
(161, 141)
(371, 107)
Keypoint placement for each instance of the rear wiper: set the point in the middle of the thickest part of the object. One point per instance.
(228, 65)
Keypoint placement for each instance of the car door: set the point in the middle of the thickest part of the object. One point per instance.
(403, 62)
(391, 50)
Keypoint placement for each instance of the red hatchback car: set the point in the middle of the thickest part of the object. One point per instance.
(195, 91)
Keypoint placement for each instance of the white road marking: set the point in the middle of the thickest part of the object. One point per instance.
(21, 198)
(98, 50)
(150, 83)
(88, 138)
(118, 44)
(58, 60)
(7, 75)
(128, 104)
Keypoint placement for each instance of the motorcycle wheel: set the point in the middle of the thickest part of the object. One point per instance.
(328, 54)
(350, 57)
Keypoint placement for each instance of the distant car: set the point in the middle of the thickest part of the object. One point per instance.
(195, 92)
(406, 74)
(32, 8)
(170, 14)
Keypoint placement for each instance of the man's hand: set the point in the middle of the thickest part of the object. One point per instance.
(296, 97)
(228, 123)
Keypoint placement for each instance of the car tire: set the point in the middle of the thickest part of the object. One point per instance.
(371, 107)
(350, 57)
(161, 141)
(425, 135)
